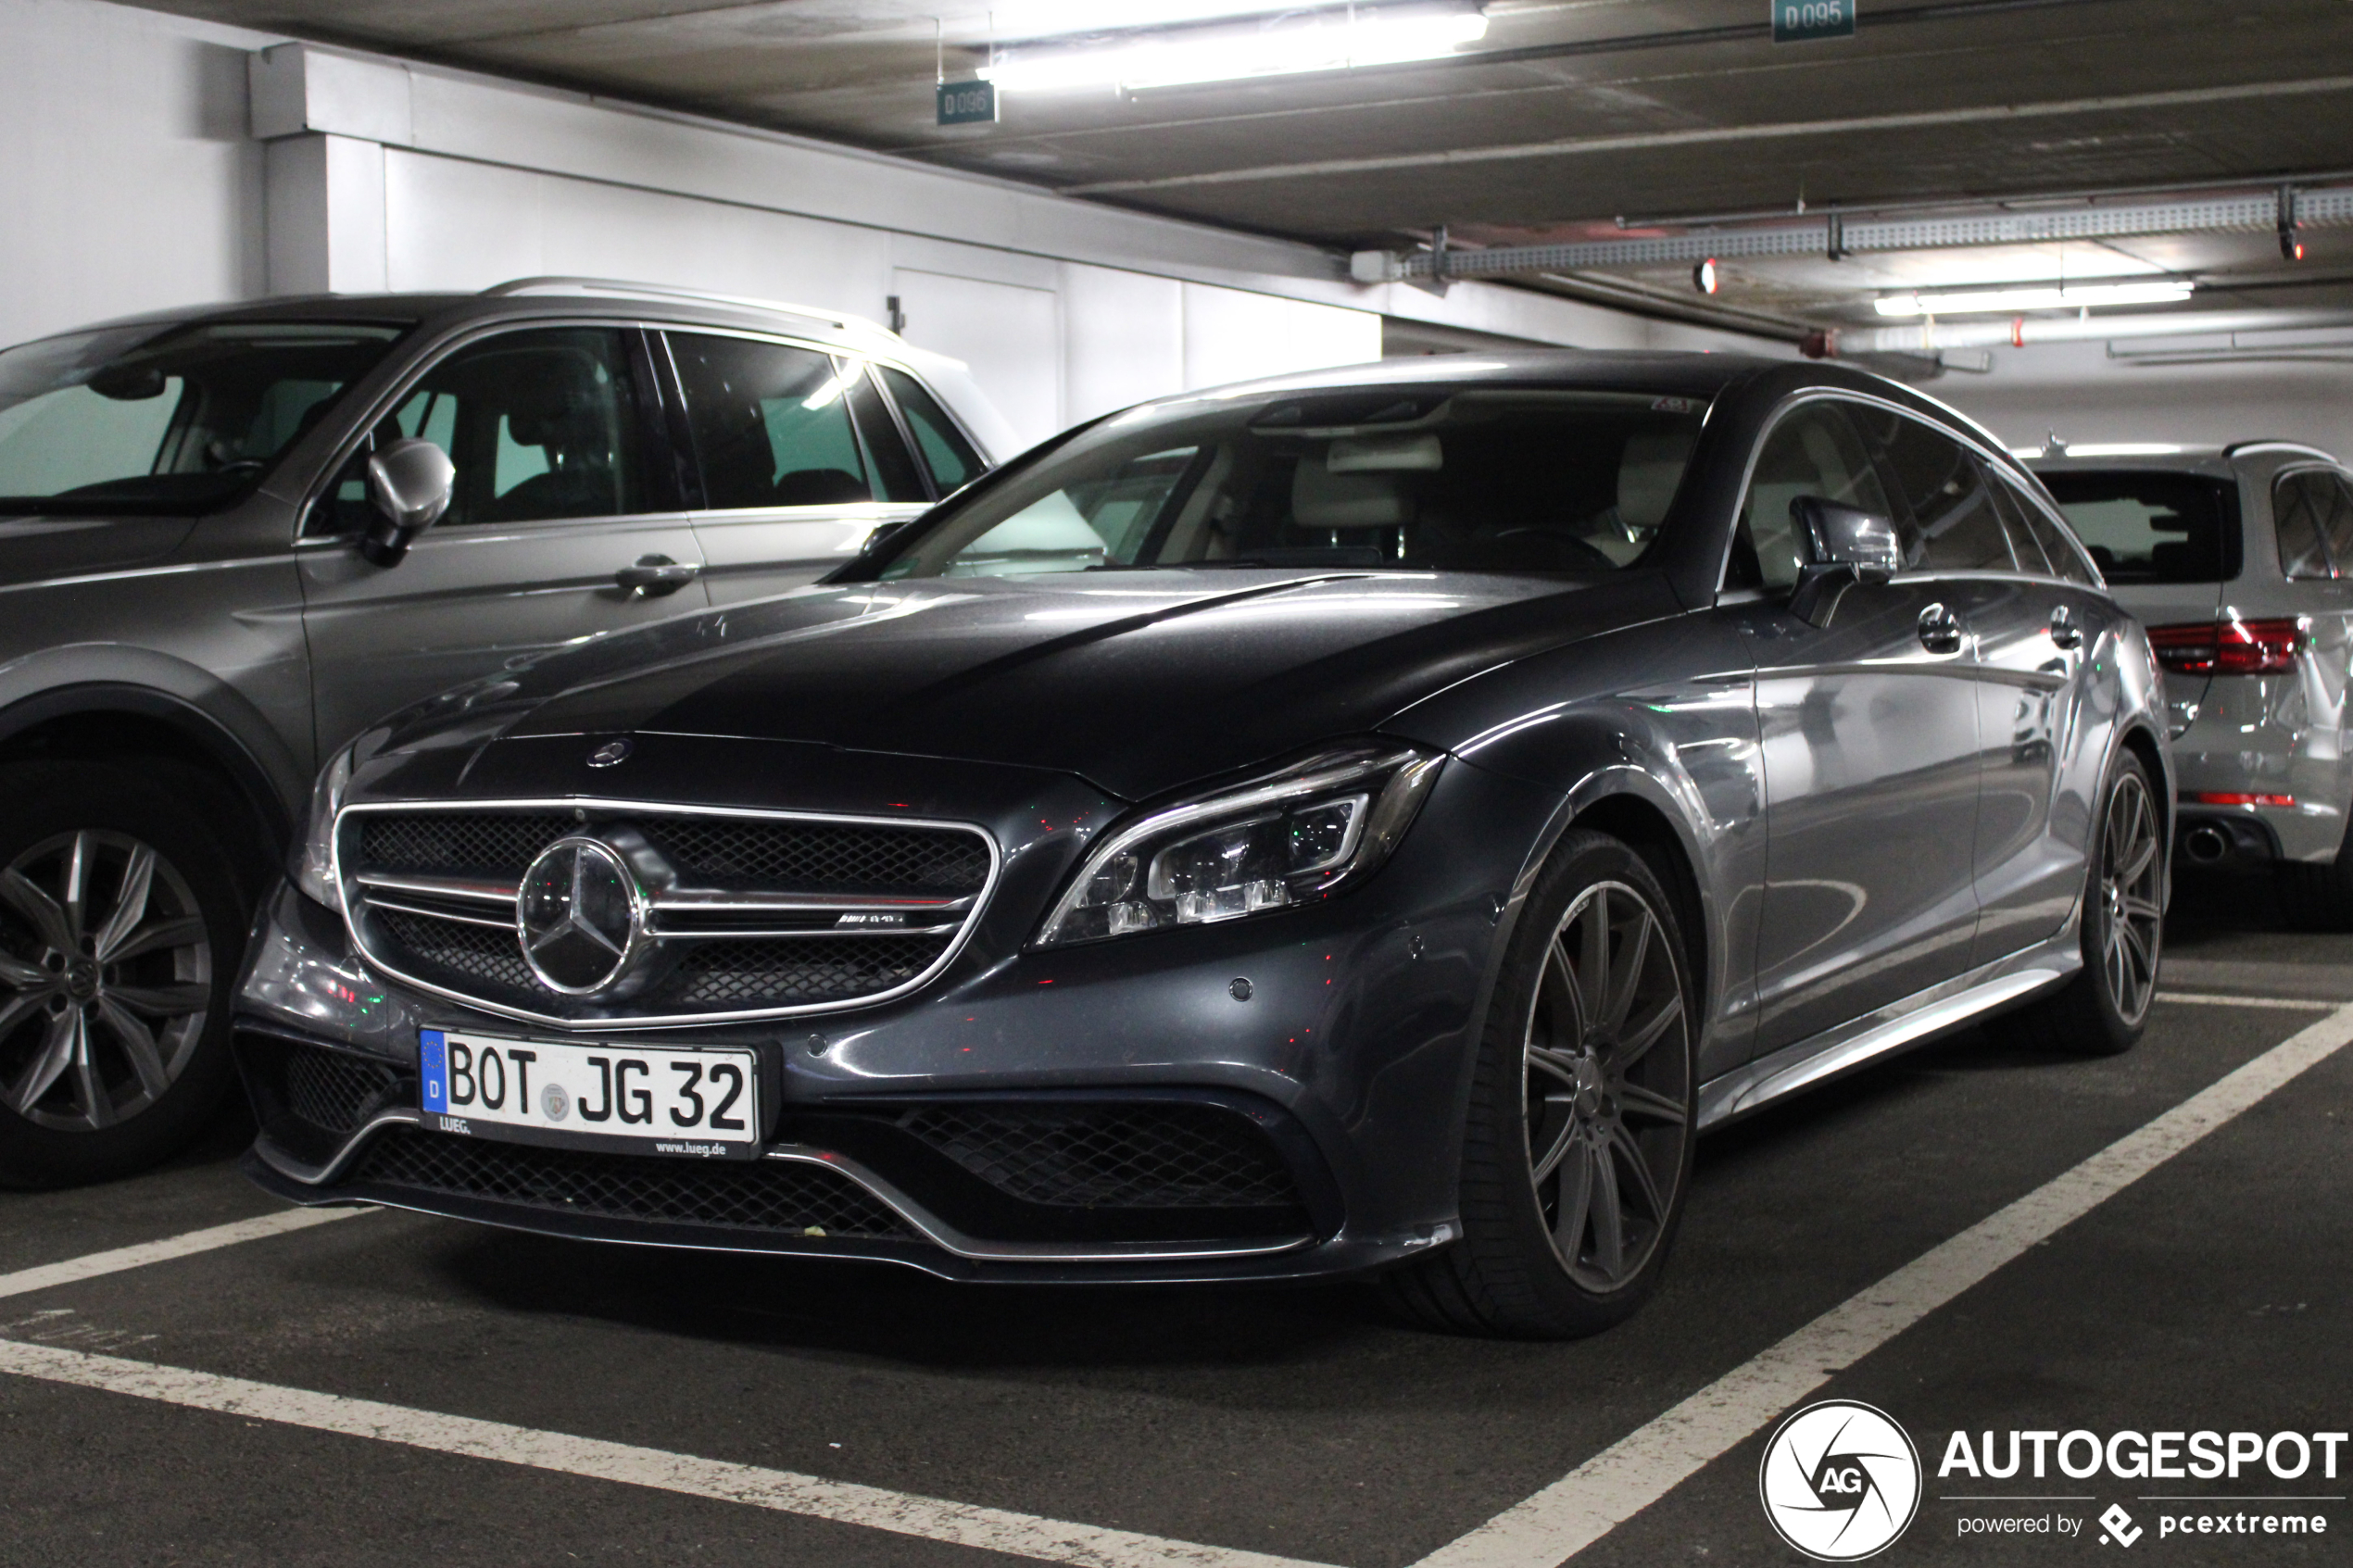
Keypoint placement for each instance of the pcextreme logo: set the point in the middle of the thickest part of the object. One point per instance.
(1840, 1481)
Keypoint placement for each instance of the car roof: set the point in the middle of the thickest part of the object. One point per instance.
(530, 298)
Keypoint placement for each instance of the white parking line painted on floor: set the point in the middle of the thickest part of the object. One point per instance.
(145, 1253)
(2216, 1000)
(1637, 1470)
(1018, 1534)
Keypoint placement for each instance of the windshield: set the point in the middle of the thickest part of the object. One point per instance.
(181, 420)
(1484, 481)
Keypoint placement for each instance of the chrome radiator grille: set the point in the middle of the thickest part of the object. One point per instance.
(707, 915)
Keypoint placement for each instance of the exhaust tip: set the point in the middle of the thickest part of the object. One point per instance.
(2206, 844)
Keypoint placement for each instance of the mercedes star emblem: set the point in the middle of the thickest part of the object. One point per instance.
(612, 751)
(580, 916)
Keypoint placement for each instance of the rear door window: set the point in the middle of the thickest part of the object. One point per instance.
(2151, 526)
(771, 423)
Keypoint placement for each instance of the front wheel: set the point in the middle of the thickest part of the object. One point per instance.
(1577, 1142)
(121, 923)
(2103, 1011)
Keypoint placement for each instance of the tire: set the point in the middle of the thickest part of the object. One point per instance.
(2103, 1011)
(2318, 897)
(1571, 1099)
(120, 999)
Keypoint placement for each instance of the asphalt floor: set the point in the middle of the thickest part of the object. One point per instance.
(2213, 1294)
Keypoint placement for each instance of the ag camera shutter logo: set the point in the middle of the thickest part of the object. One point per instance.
(1841, 1481)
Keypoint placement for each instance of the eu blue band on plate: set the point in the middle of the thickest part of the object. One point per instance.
(433, 1067)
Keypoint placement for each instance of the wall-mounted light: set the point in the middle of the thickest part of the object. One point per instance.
(1288, 44)
(1704, 277)
(2009, 301)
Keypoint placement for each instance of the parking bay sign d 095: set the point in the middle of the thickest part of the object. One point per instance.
(1801, 21)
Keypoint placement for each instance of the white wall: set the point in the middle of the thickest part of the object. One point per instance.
(127, 179)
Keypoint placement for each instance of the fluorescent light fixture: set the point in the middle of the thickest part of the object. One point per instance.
(1285, 45)
(2071, 297)
(2100, 449)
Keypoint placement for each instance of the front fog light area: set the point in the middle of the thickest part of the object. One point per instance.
(1266, 845)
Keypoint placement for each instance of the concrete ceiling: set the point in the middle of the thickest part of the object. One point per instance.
(1569, 115)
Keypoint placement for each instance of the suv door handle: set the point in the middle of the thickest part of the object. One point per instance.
(2065, 634)
(1940, 630)
(655, 575)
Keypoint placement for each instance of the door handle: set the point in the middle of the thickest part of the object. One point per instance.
(1940, 630)
(655, 575)
(2065, 634)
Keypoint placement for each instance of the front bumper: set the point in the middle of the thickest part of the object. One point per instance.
(1124, 1110)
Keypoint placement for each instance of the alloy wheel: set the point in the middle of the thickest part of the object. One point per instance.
(1607, 1085)
(2133, 926)
(106, 976)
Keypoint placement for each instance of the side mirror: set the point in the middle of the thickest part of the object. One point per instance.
(1843, 545)
(410, 483)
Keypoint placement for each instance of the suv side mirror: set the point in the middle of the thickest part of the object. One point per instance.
(410, 483)
(1843, 545)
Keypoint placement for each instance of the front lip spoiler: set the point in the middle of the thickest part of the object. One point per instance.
(925, 1223)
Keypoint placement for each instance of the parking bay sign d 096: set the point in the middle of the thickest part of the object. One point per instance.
(1801, 21)
(975, 103)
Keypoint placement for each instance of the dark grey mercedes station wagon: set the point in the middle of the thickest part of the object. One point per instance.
(1367, 822)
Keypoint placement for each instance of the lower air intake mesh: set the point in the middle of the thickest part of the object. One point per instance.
(331, 1089)
(741, 1194)
(1133, 1156)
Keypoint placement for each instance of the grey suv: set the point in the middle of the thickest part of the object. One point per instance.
(2240, 561)
(217, 569)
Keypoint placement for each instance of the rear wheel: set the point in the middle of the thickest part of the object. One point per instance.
(1577, 1150)
(2104, 1008)
(123, 921)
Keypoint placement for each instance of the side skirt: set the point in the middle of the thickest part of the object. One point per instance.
(1897, 1026)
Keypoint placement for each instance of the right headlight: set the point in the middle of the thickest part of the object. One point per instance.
(1277, 840)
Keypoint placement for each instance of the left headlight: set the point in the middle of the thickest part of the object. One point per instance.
(1277, 840)
(314, 867)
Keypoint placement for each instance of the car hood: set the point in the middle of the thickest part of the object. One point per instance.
(1136, 680)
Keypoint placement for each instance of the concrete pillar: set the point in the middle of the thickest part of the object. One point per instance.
(326, 118)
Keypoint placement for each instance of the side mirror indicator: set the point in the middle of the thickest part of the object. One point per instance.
(409, 484)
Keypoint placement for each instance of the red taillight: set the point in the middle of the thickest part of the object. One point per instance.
(2228, 798)
(2228, 647)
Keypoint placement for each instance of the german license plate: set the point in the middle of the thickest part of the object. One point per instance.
(635, 1098)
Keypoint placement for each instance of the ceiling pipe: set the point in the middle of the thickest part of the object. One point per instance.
(1835, 235)
(1932, 336)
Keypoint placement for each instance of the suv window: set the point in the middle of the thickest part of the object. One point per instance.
(895, 471)
(1813, 451)
(771, 425)
(951, 459)
(1953, 525)
(2151, 525)
(2313, 513)
(541, 424)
